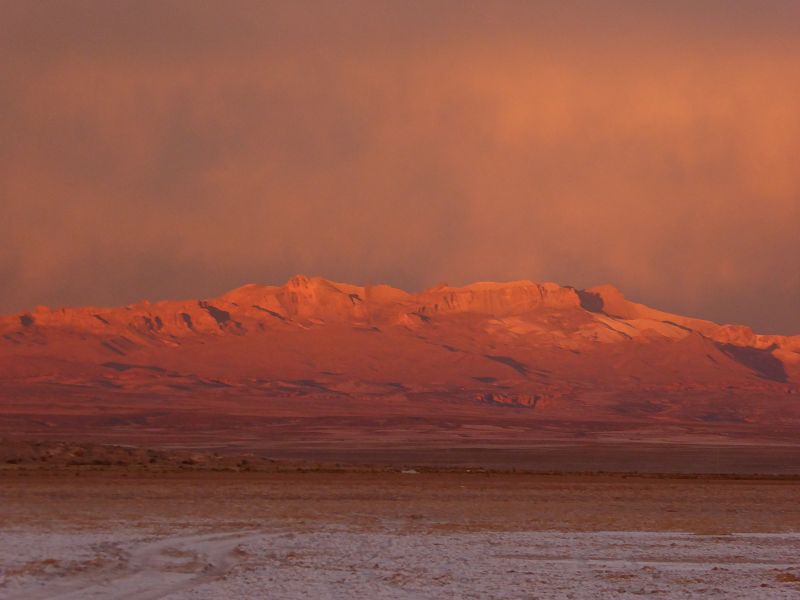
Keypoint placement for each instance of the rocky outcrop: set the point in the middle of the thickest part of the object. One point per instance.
(508, 399)
(496, 299)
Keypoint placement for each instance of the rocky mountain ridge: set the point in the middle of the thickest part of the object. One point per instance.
(537, 346)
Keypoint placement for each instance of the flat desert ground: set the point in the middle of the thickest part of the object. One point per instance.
(114, 532)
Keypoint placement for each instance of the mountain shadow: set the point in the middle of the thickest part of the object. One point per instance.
(762, 361)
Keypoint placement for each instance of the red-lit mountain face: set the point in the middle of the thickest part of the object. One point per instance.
(313, 347)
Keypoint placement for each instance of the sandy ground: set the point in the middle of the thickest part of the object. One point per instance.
(110, 534)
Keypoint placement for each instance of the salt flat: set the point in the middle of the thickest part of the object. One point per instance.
(117, 534)
(335, 562)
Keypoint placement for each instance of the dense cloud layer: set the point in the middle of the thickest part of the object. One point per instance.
(178, 149)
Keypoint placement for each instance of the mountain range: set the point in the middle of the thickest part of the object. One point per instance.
(556, 352)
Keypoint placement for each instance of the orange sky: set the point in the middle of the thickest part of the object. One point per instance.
(168, 149)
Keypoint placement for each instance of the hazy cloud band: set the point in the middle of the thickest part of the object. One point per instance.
(178, 149)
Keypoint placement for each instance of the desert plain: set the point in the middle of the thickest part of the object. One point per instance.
(274, 530)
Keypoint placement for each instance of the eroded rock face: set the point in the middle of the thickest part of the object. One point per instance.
(496, 299)
(519, 400)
